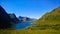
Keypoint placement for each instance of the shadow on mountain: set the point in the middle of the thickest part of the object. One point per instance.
(6, 20)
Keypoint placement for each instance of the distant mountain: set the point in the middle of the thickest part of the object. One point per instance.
(23, 19)
(52, 17)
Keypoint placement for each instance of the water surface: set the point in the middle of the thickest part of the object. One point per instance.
(22, 25)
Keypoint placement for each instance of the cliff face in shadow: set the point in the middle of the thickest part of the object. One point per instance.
(14, 18)
(7, 20)
(4, 19)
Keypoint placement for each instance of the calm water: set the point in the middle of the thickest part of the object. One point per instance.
(22, 25)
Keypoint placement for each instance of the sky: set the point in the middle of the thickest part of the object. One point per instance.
(29, 8)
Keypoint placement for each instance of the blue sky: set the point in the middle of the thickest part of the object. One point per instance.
(29, 8)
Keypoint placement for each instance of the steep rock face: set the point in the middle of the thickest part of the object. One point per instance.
(4, 19)
(14, 18)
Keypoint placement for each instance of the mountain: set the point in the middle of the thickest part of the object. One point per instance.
(49, 21)
(24, 19)
(4, 19)
(14, 18)
(52, 17)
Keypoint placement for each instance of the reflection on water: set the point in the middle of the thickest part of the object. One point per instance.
(22, 25)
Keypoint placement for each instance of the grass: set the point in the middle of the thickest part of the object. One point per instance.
(47, 24)
(47, 31)
(40, 29)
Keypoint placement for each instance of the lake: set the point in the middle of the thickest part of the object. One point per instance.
(22, 25)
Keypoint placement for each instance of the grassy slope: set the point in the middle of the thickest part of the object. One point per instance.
(49, 21)
(29, 32)
(52, 17)
(48, 24)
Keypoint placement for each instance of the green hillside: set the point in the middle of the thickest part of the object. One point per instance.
(52, 17)
(49, 23)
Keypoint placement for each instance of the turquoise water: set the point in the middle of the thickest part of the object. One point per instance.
(22, 25)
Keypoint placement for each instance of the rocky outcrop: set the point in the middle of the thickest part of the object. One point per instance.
(14, 18)
(4, 19)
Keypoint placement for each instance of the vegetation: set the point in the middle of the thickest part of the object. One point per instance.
(47, 24)
(30, 31)
(49, 21)
(50, 18)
